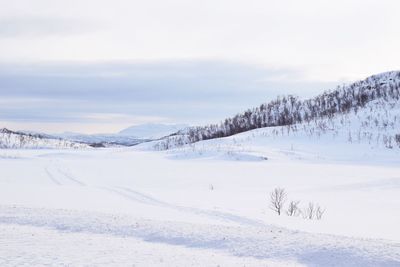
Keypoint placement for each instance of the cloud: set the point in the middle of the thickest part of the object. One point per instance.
(151, 80)
(41, 26)
(327, 39)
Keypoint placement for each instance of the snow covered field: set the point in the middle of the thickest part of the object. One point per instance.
(202, 205)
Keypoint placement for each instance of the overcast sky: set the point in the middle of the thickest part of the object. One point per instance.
(99, 66)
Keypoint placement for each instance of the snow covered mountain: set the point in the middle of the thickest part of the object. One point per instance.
(366, 111)
(128, 137)
(152, 130)
(13, 139)
(102, 140)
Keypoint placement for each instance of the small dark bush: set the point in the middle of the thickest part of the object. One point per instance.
(397, 138)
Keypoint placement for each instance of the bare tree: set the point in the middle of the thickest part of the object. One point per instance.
(277, 198)
(293, 209)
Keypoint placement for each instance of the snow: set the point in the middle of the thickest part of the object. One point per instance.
(244, 244)
(106, 250)
(201, 205)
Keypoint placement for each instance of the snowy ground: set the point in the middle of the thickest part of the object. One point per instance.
(127, 207)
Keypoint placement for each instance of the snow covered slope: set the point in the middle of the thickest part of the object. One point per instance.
(369, 134)
(11, 139)
(366, 112)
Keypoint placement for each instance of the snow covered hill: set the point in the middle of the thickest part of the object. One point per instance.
(371, 133)
(366, 112)
(12, 139)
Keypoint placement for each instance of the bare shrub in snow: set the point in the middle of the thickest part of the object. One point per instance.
(293, 209)
(313, 211)
(397, 137)
(309, 211)
(278, 199)
(319, 212)
(387, 140)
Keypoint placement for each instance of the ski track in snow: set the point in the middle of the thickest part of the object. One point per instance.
(142, 198)
(145, 199)
(61, 177)
(70, 177)
(266, 242)
(51, 176)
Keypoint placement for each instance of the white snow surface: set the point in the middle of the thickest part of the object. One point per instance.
(201, 205)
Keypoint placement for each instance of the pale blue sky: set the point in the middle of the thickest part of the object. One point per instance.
(115, 95)
(99, 66)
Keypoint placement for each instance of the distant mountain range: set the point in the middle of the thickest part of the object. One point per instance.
(152, 130)
(128, 137)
